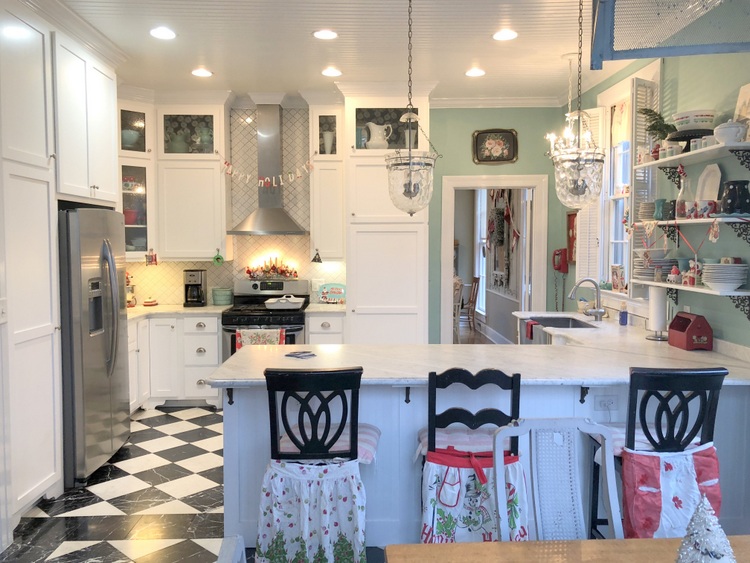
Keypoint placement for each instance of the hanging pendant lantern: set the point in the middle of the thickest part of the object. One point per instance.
(579, 164)
(410, 173)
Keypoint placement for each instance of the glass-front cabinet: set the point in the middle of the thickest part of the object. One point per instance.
(136, 197)
(188, 132)
(382, 128)
(133, 131)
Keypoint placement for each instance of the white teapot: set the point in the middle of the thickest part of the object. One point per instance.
(730, 132)
(378, 135)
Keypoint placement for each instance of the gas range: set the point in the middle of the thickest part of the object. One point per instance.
(250, 297)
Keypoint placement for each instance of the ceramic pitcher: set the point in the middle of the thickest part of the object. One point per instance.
(377, 135)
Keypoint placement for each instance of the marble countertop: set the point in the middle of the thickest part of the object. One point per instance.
(325, 308)
(402, 365)
(141, 312)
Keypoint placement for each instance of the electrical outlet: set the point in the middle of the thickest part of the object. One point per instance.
(686, 308)
(605, 403)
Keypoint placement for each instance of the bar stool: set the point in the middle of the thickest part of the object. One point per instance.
(669, 411)
(312, 496)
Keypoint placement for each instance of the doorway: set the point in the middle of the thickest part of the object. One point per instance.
(534, 276)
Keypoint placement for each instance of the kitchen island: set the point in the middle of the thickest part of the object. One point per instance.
(555, 380)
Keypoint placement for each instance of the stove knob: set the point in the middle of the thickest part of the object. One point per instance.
(255, 285)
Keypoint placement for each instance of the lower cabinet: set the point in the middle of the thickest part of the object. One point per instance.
(325, 328)
(138, 363)
(183, 352)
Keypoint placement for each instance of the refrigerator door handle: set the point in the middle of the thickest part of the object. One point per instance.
(114, 292)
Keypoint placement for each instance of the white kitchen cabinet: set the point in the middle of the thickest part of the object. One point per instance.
(183, 352)
(164, 355)
(387, 279)
(138, 206)
(85, 94)
(327, 224)
(25, 88)
(201, 355)
(191, 209)
(325, 328)
(138, 363)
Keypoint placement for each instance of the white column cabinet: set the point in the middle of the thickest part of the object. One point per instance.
(85, 94)
(164, 350)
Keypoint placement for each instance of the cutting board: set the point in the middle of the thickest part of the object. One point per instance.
(332, 293)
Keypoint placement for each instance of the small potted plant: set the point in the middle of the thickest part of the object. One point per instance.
(657, 128)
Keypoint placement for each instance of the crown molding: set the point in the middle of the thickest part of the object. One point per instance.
(70, 23)
(193, 97)
(384, 89)
(476, 103)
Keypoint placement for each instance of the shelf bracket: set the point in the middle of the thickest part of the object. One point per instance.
(742, 302)
(407, 395)
(672, 294)
(671, 173)
(742, 230)
(671, 232)
(230, 396)
(743, 156)
(584, 392)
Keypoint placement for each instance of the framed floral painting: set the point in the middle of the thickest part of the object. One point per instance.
(495, 146)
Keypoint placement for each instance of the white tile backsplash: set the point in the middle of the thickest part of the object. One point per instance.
(164, 282)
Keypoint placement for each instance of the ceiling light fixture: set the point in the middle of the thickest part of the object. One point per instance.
(162, 32)
(202, 73)
(410, 174)
(578, 162)
(475, 72)
(325, 34)
(331, 71)
(505, 35)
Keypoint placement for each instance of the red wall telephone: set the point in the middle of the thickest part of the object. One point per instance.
(560, 260)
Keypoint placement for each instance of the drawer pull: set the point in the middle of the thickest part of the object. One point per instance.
(200, 350)
(325, 324)
(200, 324)
(201, 382)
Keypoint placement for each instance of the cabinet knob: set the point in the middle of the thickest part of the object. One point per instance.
(200, 350)
(201, 382)
(200, 324)
(325, 324)
(148, 150)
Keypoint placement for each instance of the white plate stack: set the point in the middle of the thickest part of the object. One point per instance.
(646, 211)
(724, 277)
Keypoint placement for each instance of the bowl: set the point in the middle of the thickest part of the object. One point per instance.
(730, 132)
(129, 137)
(221, 295)
(695, 119)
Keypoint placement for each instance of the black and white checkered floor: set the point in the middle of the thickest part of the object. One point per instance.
(158, 500)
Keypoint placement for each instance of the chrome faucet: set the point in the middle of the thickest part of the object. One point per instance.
(597, 313)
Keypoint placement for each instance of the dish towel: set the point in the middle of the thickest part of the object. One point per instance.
(254, 336)
(530, 329)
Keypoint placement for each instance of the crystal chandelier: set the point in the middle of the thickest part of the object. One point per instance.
(579, 164)
(410, 173)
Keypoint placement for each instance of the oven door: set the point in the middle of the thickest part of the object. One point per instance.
(294, 334)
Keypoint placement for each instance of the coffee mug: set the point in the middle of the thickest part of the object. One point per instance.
(705, 208)
(659, 209)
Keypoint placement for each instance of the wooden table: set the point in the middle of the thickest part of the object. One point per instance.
(611, 551)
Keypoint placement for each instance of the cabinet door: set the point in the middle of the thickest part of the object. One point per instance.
(325, 329)
(387, 281)
(133, 364)
(165, 362)
(137, 132)
(25, 91)
(144, 383)
(327, 210)
(85, 113)
(138, 207)
(190, 205)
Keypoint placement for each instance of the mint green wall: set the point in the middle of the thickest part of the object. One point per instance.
(451, 132)
(697, 82)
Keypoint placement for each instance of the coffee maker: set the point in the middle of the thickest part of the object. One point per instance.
(195, 288)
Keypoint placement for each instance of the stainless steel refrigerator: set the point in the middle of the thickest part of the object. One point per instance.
(96, 418)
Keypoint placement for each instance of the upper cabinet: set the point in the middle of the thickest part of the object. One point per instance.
(190, 132)
(85, 95)
(137, 129)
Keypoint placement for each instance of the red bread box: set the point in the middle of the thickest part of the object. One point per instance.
(691, 332)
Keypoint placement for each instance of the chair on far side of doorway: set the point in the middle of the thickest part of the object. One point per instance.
(458, 288)
(471, 305)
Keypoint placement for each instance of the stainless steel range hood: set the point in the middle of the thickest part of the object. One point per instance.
(270, 218)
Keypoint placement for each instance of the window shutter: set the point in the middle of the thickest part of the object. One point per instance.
(588, 222)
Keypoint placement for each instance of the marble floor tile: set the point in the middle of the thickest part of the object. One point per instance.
(206, 500)
(71, 499)
(146, 435)
(209, 421)
(142, 463)
(171, 507)
(201, 463)
(136, 426)
(127, 452)
(184, 551)
(158, 526)
(161, 444)
(187, 414)
(216, 427)
(67, 547)
(199, 433)
(138, 549)
(118, 487)
(177, 427)
(211, 444)
(216, 474)
(181, 452)
(211, 544)
(141, 415)
(163, 474)
(102, 508)
(138, 501)
(186, 486)
(107, 472)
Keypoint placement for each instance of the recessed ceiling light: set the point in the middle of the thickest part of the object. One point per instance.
(331, 71)
(202, 72)
(473, 72)
(325, 34)
(163, 33)
(505, 35)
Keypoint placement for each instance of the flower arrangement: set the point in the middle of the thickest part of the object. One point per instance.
(271, 269)
(494, 147)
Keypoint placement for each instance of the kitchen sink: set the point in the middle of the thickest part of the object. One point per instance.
(562, 322)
